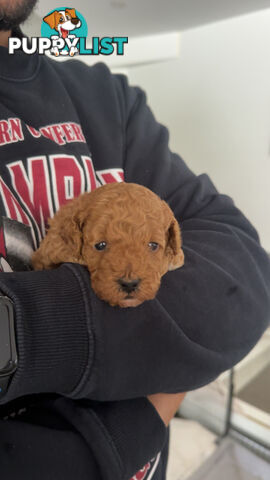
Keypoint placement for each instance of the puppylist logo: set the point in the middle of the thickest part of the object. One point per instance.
(64, 32)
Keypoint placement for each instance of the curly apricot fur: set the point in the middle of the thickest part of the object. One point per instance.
(127, 217)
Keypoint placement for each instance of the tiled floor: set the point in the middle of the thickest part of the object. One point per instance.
(190, 445)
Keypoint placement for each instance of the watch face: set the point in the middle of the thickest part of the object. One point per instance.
(8, 354)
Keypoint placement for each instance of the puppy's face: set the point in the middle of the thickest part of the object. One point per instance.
(128, 243)
(125, 235)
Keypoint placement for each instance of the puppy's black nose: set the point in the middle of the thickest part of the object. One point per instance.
(128, 285)
(75, 21)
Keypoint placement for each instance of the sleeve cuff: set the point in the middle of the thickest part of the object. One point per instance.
(123, 435)
(54, 339)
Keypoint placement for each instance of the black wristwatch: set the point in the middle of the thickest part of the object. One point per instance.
(8, 351)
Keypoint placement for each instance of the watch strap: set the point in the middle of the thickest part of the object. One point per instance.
(4, 381)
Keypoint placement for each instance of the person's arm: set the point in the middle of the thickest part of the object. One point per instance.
(166, 404)
(66, 439)
(207, 315)
(53, 337)
(51, 312)
(123, 435)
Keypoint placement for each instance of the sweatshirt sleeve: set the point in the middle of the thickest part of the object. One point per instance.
(56, 351)
(54, 336)
(123, 436)
(81, 439)
(207, 315)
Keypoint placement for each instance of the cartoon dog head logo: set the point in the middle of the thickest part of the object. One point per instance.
(64, 27)
(64, 31)
(63, 21)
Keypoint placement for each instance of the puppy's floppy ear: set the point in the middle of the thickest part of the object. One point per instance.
(51, 19)
(173, 250)
(72, 12)
(64, 240)
(70, 230)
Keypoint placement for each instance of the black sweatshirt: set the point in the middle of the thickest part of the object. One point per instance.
(76, 406)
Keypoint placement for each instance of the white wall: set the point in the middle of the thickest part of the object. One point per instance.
(215, 100)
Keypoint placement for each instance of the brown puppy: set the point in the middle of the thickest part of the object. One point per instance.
(126, 236)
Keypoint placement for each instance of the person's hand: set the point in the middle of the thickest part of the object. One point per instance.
(166, 404)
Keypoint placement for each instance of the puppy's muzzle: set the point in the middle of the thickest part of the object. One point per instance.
(128, 286)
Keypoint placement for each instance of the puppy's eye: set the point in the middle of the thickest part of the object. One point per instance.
(153, 246)
(100, 246)
(68, 17)
(61, 19)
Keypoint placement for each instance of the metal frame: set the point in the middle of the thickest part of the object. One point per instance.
(256, 446)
